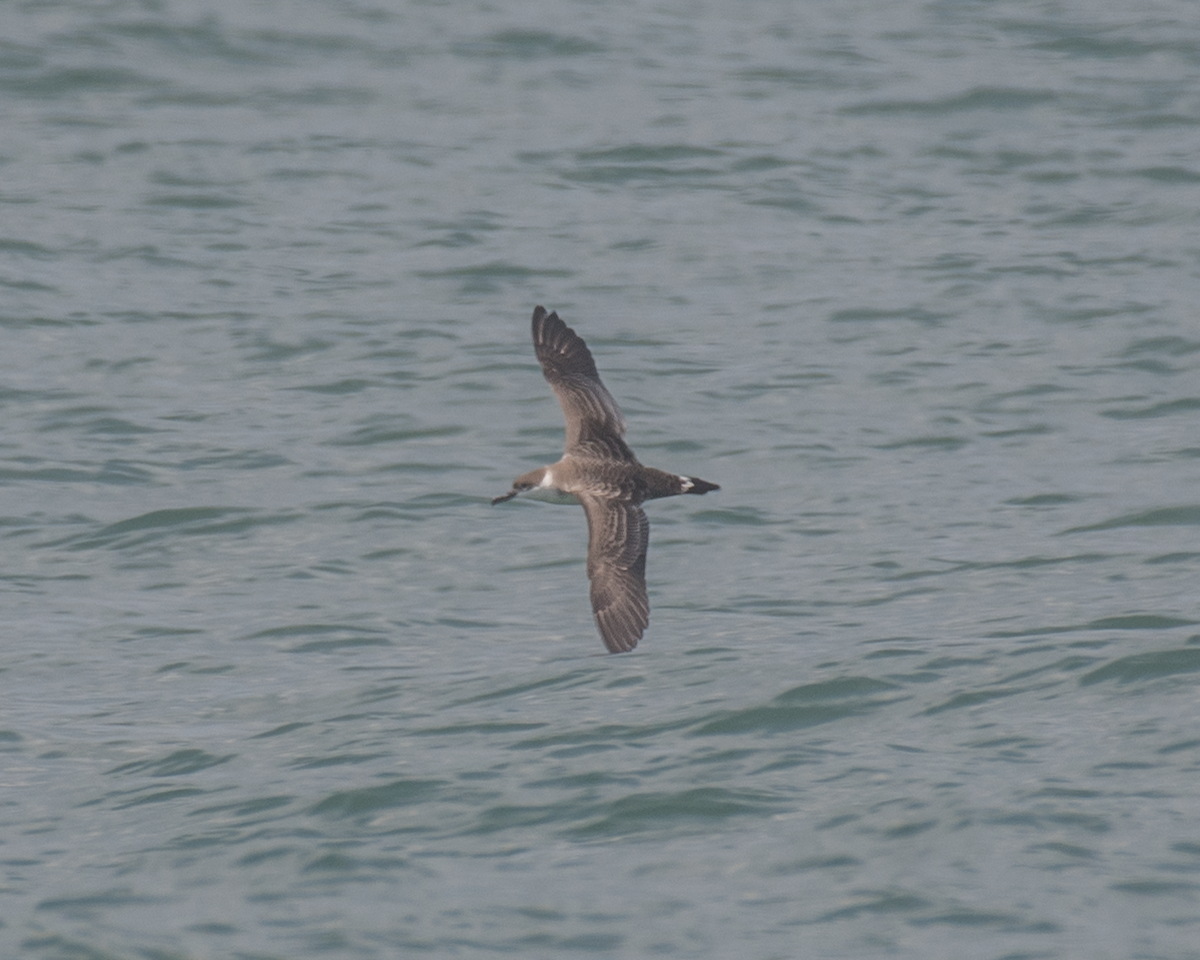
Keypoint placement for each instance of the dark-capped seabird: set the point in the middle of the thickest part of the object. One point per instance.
(600, 472)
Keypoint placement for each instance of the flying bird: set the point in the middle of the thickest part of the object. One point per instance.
(600, 472)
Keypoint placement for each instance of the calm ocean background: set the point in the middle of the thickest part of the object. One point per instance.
(916, 283)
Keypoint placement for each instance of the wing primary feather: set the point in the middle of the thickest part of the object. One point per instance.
(589, 409)
(618, 537)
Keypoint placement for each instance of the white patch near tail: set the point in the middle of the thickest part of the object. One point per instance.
(685, 484)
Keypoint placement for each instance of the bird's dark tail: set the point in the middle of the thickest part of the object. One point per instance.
(697, 485)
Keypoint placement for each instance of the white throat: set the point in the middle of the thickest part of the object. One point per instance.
(547, 492)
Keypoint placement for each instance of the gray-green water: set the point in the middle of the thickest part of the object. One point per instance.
(916, 283)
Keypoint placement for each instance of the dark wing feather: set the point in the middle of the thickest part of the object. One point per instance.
(590, 411)
(618, 535)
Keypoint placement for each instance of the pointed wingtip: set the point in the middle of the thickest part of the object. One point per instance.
(618, 639)
(542, 319)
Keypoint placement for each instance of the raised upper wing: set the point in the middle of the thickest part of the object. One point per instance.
(590, 411)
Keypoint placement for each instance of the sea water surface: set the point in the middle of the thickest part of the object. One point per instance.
(916, 283)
